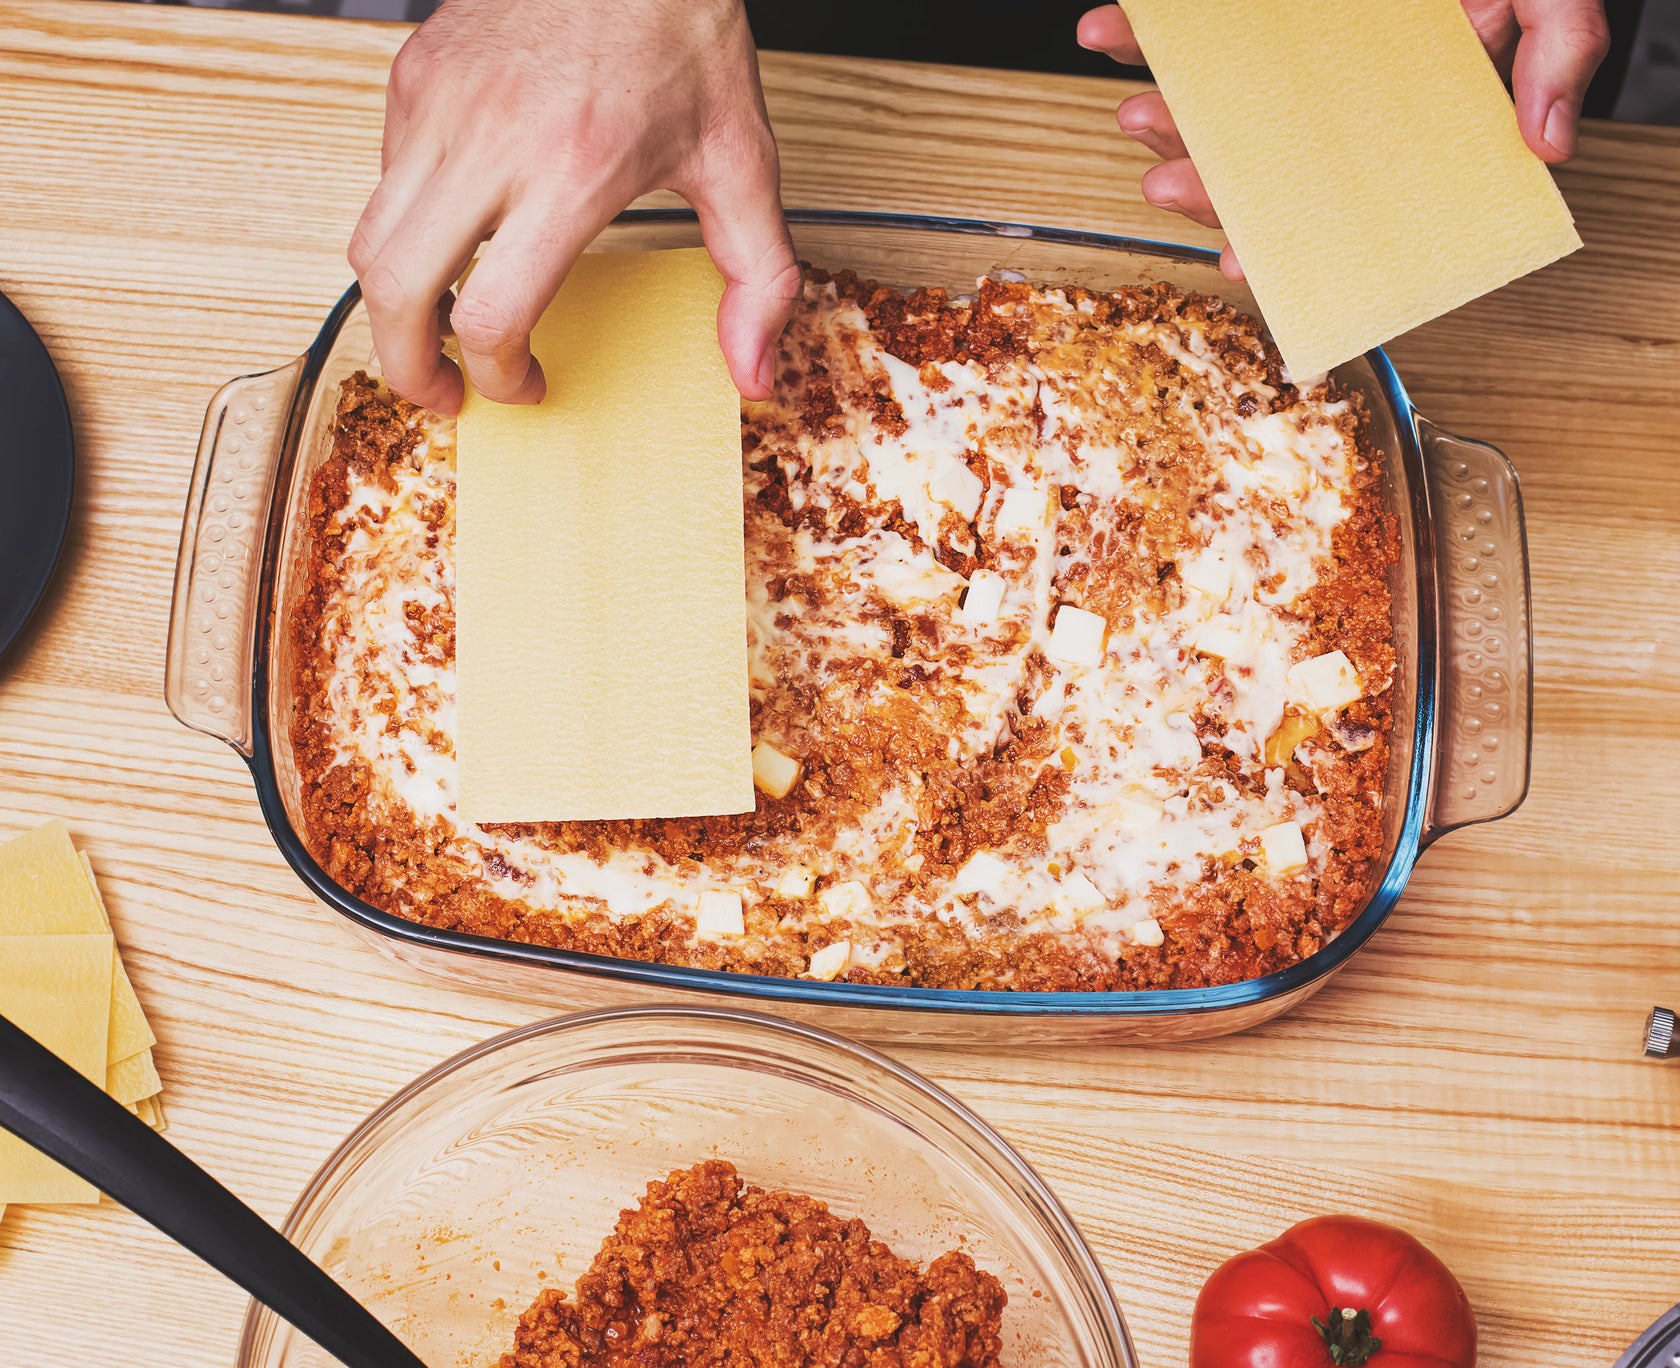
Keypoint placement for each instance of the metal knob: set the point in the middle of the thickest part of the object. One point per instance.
(1660, 1031)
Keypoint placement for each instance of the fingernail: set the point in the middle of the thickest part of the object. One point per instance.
(767, 370)
(1560, 128)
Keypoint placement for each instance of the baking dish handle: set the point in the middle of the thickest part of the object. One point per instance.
(212, 623)
(1485, 695)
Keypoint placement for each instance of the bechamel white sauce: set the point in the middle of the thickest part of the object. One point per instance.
(1138, 824)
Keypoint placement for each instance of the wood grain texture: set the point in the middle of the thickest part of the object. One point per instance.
(175, 198)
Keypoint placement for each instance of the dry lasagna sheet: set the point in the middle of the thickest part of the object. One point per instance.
(1070, 648)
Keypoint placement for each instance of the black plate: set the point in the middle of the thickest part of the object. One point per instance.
(37, 471)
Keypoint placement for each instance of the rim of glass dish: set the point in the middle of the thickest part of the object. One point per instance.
(1017, 1174)
(1156, 1002)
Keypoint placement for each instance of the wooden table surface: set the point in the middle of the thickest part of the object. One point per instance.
(176, 190)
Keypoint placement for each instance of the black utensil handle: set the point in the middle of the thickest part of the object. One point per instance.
(55, 1109)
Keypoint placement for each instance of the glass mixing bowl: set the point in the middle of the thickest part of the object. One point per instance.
(500, 1172)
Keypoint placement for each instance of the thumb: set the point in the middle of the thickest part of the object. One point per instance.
(1562, 43)
(740, 211)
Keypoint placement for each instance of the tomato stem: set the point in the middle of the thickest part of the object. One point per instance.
(1347, 1335)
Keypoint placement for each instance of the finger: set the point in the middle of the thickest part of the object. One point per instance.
(1175, 185)
(423, 256)
(1229, 266)
(1562, 43)
(515, 280)
(396, 126)
(399, 190)
(742, 225)
(1107, 30)
(1146, 118)
(1496, 26)
(410, 77)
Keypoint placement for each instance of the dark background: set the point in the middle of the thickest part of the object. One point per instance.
(1037, 35)
(1640, 80)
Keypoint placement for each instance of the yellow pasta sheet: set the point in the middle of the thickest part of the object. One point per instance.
(133, 1079)
(48, 893)
(601, 599)
(1363, 158)
(57, 989)
(47, 889)
(150, 1110)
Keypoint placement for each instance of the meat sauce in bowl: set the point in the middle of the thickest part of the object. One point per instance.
(814, 1183)
(708, 1269)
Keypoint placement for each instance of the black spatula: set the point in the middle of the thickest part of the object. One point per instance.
(55, 1109)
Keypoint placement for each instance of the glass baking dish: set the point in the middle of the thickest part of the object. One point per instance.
(1460, 748)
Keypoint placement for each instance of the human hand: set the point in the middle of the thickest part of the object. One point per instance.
(1548, 48)
(538, 120)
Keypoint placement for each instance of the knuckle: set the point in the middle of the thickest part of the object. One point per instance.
(360, 254)
(1584, 32)
(588, 135)
(383, 287)
(785, 283)
(587, 144)
(410, 70)
(485, 325)
(490, 110)
(1596, 36)
(742, 149)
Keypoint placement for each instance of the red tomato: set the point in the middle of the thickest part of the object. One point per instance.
(1361, 1281)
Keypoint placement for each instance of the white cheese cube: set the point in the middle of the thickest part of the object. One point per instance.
(1147, 932)
(1023, 508)
(849, 900)
(1078, 895)
(1284, 847)
(831, 961)
(797, 881)
(774, 772)
(983, 873)
(1077, 636)
(1285, 472)
(957, 487)
(720, 915)
(984, 598)
(1134, 807)
(1209, 574)
(1325, 683)
(1222, 636)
